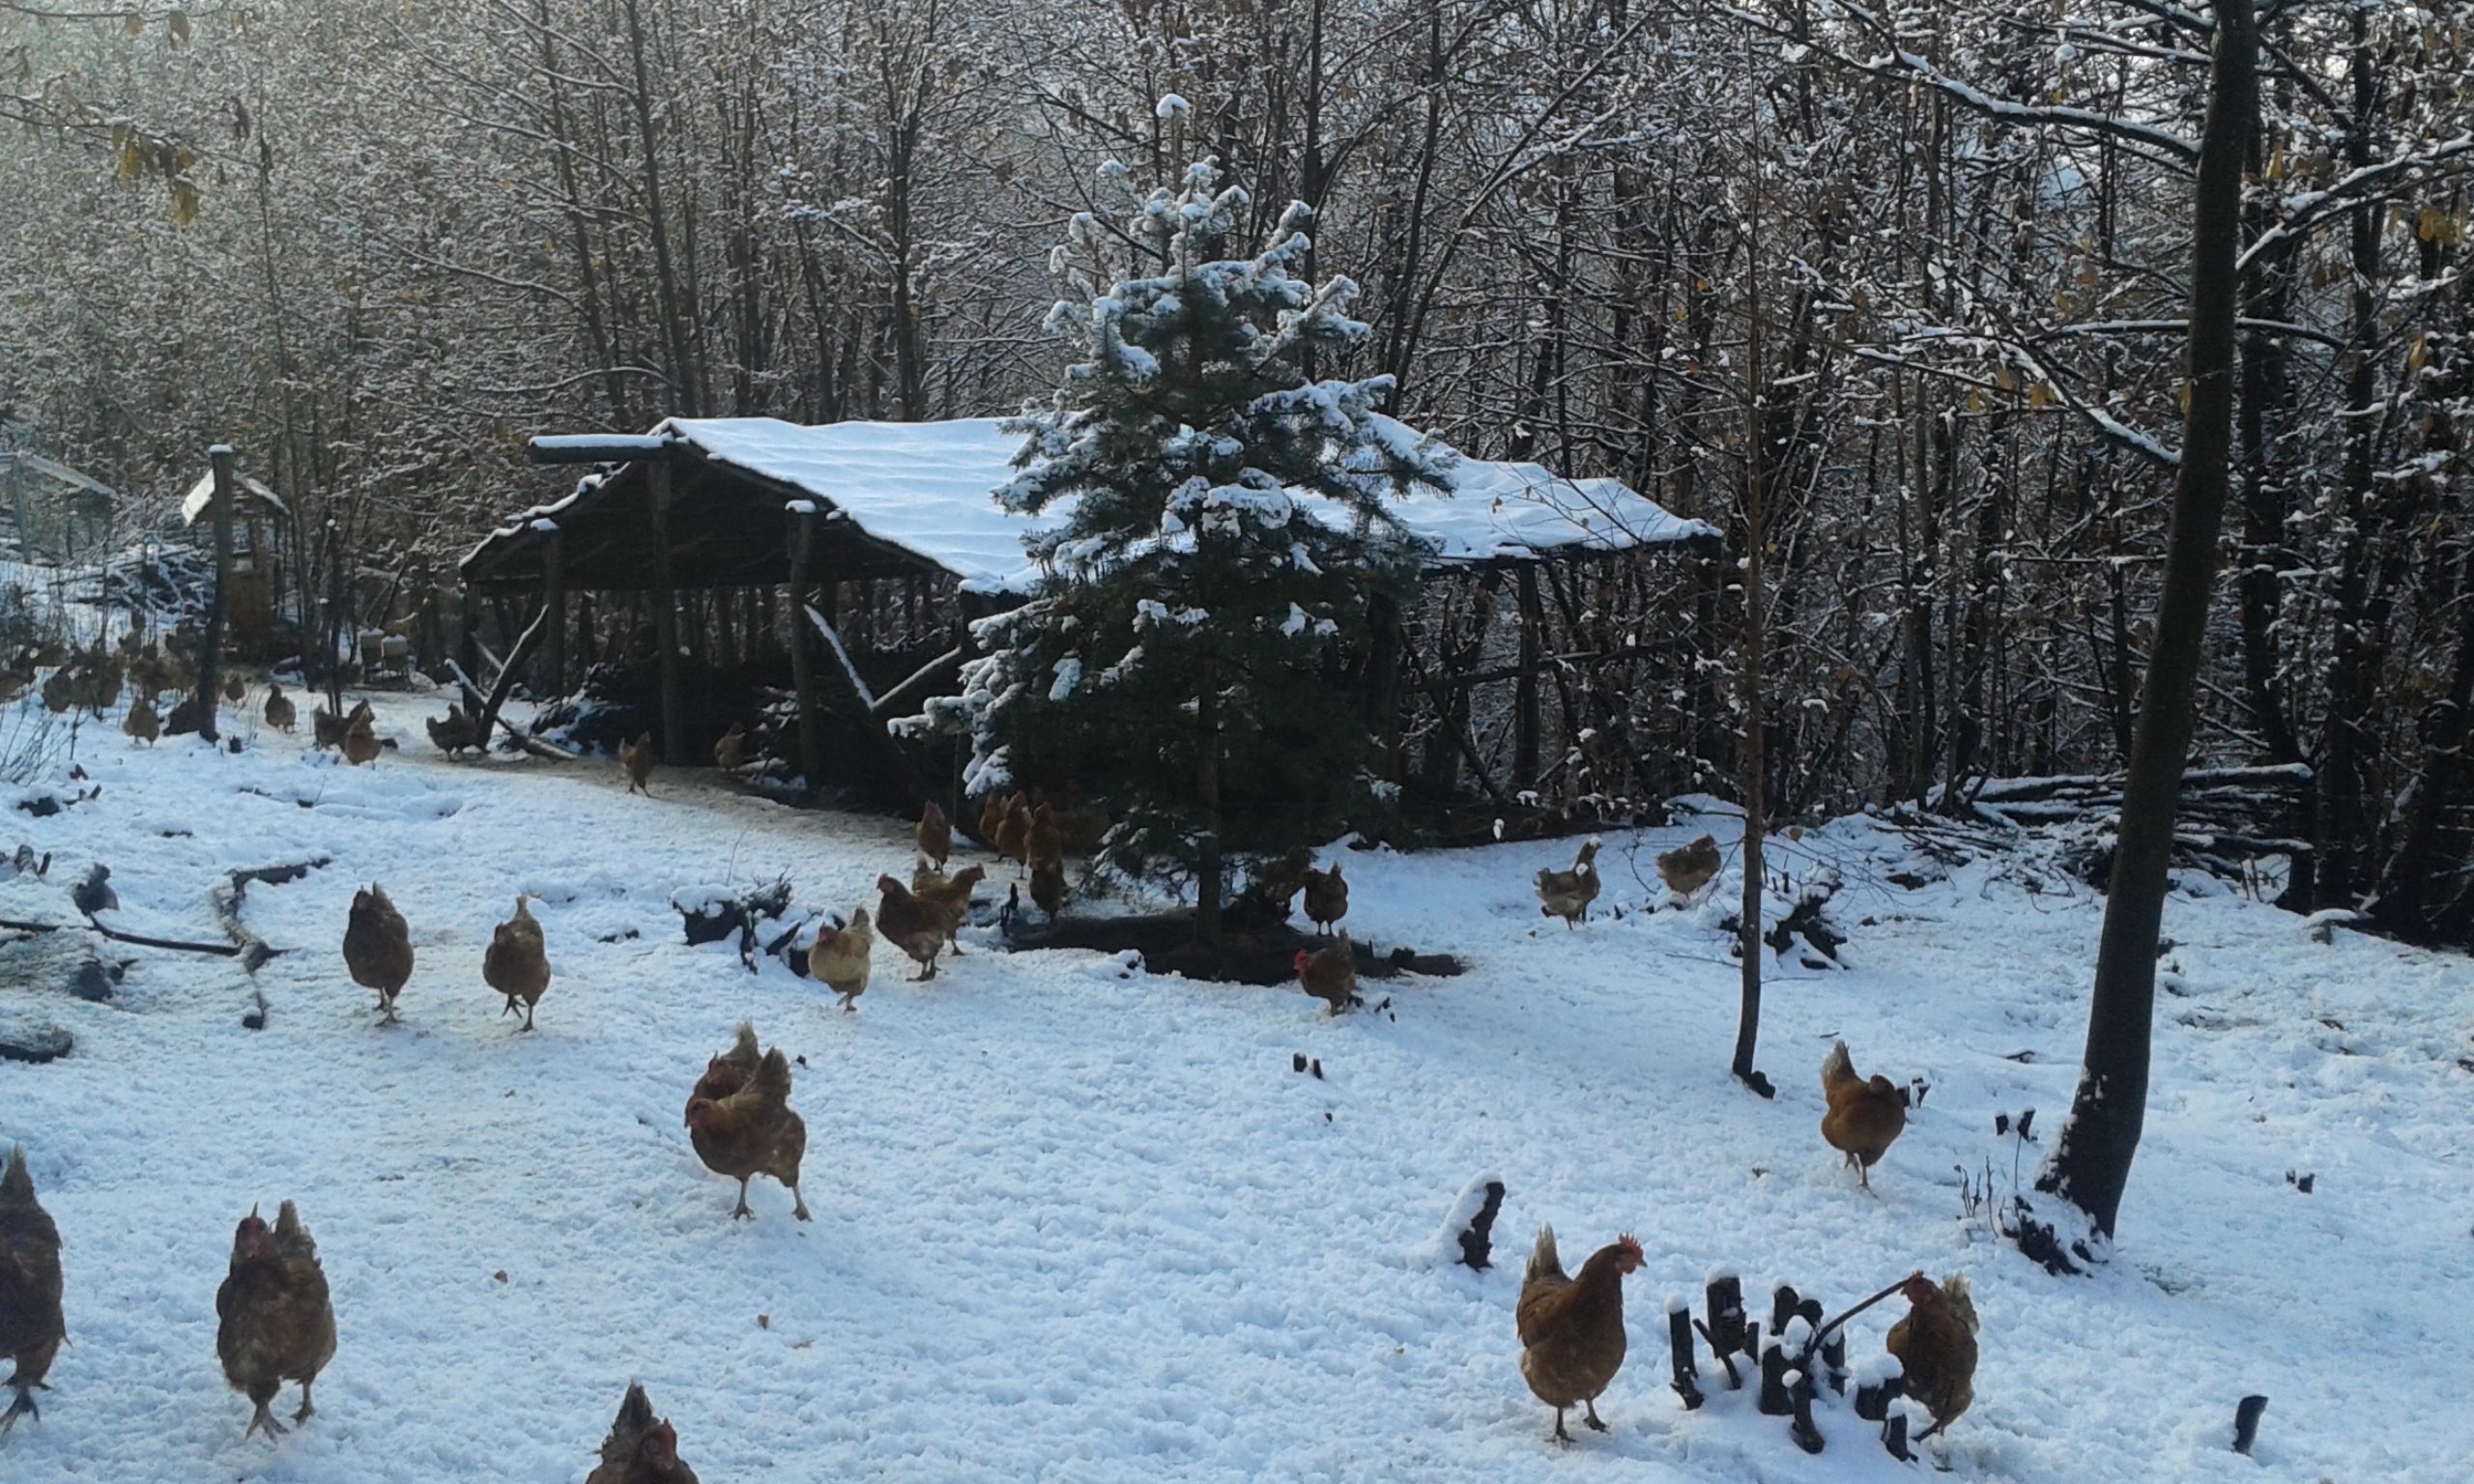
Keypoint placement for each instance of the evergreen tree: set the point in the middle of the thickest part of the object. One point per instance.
(1215, 528)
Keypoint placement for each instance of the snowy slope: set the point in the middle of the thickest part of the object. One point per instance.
(1076, 1224)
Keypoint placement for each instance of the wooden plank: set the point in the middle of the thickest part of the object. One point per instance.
(674, 725)
(210, 654)
(802, 655)
(553, 602)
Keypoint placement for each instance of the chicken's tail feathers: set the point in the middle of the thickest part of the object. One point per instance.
(1544, 1260)
(17, 1186)
(744, 1040)
(636, 1412)
(1962, 1295)
(773, 1078)
(1838, 1069)
(290, 1236)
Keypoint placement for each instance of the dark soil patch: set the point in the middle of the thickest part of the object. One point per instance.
(1168, 945)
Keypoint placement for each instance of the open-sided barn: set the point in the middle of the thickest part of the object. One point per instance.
(888, 538)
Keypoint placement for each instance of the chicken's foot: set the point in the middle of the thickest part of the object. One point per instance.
(23, 1407)
(306, 1410)
(799, 1203)
(1561, 1435)
(1596, 1424)
(265, 1420)
(743, 1212)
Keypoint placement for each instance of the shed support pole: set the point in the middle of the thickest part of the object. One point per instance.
(802, 650)
(554, 601)
(1524, 746)
(674, 723)
(209, 651)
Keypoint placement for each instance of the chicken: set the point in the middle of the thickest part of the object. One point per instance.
(281, 714)
(234, 690)
(328, 729)
(142, 724)
(1865, 1117)
(378, 947)
(1572, 1328)
(1048, 886)
(1936, 1347)
(517, 964)
(840, 959)
(731, 749)
(991, 818)
(1045, 841)
(31, 1328)
(1567, 894)
(1327, 896)
(933, 836)
(952, 897)
(456, 733)
(1274, 888)
(277, 1323)
(1689, 868)
(1014, 832)
(1330, 974)
(640, 1449)
(635, 760)
(914, 925)
(360, 741)
(752, 1131)
(730, 1072)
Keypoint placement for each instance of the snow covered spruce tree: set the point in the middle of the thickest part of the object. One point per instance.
(1216, 527)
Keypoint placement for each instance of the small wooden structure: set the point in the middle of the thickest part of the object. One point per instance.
(865, 549)
(260, 527)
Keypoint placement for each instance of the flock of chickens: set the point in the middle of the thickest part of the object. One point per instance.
(1571, 1326)
(276, 1322)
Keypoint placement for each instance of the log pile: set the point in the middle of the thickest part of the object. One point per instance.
(2228, 819)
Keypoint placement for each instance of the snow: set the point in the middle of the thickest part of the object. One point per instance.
(1074, 1221)
(200, 499)
(931, 487)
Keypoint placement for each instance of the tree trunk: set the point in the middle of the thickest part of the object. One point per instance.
(1750, 761)
(2090, 1163)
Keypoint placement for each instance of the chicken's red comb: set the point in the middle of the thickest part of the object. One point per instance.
(1633, 1244)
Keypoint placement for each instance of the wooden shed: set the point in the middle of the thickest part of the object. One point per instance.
(887, 539)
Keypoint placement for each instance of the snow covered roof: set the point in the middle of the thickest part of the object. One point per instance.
(19, 463)
(927, 490)
(201, 495)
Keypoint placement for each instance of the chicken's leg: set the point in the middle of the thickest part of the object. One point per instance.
(799, 1203)
(1595, 1425)
(1561, 1435)
(1863, 1173)
(22, 1407)
(527, 1016)
(742, 1212)
(265, 1420)
(306, 1410)
(510, 1008)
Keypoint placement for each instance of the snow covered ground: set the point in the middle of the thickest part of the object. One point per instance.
(1077, 1223)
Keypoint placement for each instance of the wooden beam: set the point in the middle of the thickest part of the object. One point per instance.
(802, 654)
(1524, 706)
(674, 725)
(210, 654)
(554, 601)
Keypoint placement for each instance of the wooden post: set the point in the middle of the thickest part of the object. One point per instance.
(1679, 1345)
(1775, 1401)
(210, 653)
(674, 723)
(1524, 744)
(554, 600)
(802, 661)
(1799, 1397)
(2246, 1422)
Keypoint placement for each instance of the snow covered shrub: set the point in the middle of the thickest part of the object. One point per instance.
(1216, 529)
